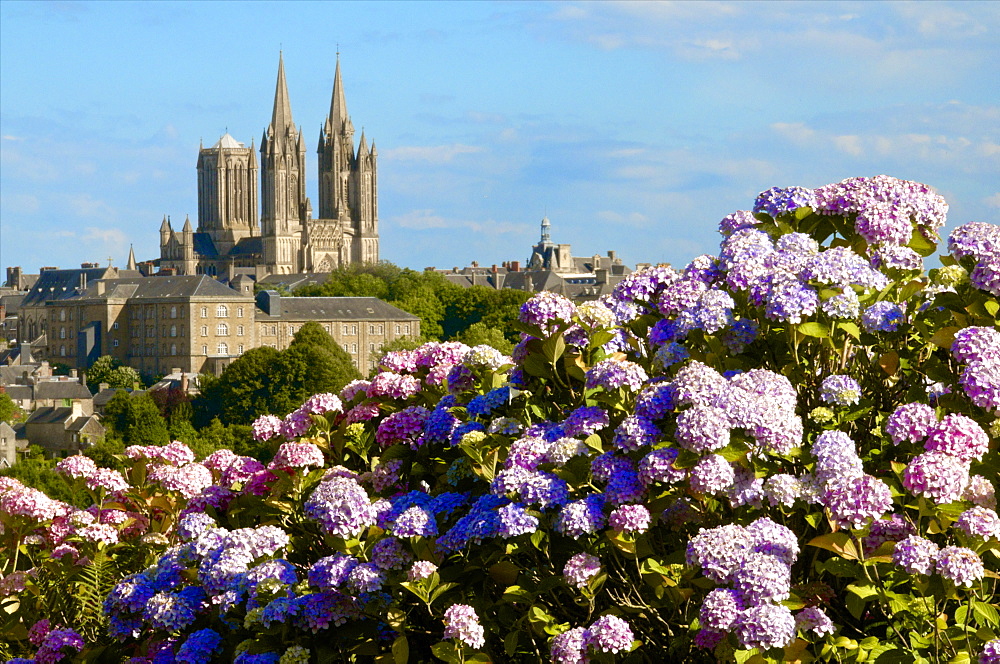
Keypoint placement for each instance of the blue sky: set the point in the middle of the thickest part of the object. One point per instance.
(633, 126)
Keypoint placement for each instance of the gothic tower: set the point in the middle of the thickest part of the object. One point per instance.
(283, 187)
(347, 180)
(227, 192)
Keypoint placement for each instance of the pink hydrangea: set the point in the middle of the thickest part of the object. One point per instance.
(76, 466)
(960, 437)
(297, 455)
(266, 427)
(581, 568)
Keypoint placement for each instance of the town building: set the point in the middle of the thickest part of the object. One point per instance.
(361, 325)
(270, 228)
(550, 267)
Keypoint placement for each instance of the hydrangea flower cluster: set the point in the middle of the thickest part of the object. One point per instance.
(980, 242)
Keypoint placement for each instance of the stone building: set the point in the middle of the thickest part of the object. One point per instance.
(361, 325)
(285, 238)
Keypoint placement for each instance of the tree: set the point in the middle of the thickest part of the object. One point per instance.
(136, 419)
(481, 334)
(244, 390)
(9, 411)
(110, 370)
(306, 370)
(313, 334)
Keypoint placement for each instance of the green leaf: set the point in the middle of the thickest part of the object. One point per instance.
(814, 329)
(992, 307)
(894, 656)
(400, 650)
(851, 328)
(986, 613)
(446, 651)
(922, 245)
(554, 347)
(839, 543)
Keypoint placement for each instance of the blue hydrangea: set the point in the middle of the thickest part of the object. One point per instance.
(199, 647)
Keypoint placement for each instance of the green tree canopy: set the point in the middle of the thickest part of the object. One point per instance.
(110, 370)
(9, 411)
(136, 419)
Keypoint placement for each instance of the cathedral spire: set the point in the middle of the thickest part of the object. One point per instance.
(338, 104)
(131, 259)
(281, 117)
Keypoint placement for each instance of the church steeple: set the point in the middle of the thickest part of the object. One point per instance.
(281, 116)
(339, 121)
(131, 265)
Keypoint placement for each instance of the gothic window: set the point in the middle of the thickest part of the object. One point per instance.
(173, 330)
(222, 311)
(173, 349)
(62, 332)
(62, 351)
(223, 348)
(222, 329)
(62, 314)
(173, 312)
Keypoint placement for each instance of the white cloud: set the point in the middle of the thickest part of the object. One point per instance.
(418, 219)
(434, 154)
(108, 236)
(86, 205)
(993, 201)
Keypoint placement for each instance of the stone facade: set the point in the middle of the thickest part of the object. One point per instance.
(287, 239)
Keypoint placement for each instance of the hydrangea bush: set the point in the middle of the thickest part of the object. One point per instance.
(786, 452)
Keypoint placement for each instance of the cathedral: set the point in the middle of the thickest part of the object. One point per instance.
(270, 229)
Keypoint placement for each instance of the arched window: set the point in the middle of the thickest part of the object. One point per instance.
(173, 330)
(239, 312)
(204, 312)
(62, 332)
(222, 329)
(223, 349)
(222, 311)
(204, 350)
(173, 349)
(239, 331)
(204, 330)
(173, 312)
(62, 351)
(62, 314)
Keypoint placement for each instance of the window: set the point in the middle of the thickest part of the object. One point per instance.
(371, 348)
(222, 329)
(204, 350)
(239, 312)
(62, 332)
(204, 330)
(354, 348)
(327, 328)
(345, 330)
(291, 329)
(222, 311)
(406, 329)
(371, 329)
(173, 349)
(204, 312)
(115, 343)
(62, 314)
(240, 349)
(347, 347)
(223, 349)
(62, 351)
(173, 330)
(173, 312)
(114, 326)
(239, 331)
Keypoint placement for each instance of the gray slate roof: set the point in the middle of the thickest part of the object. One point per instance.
(62, 284)
(337, 308)
(49, 415)
(18, 392)
(53, 389)
(196, 285)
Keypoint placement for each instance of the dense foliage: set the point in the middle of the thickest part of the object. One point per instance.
(783, 453)
(109, 369)
(446, 310)
(264, 380)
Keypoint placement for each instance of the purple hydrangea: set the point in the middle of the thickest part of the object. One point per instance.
(882, 316)
(840, 390)
(515, 520)
(979, 522)
(778, 201)
(976, 344)
(893, 529)
(916, 555)
(421, 569)
(814, 619)
(611, 374)
(57, 645)
(608, 634)
(737, 221)
(713, 474)
(911, 422)
(936, 475)
(885, 207)
(697, 383)
(545, 309)
(720, 609)
(581, 517)
(462, 623)
(855, 501)
(569, 647)
(789, 301)
(636, 432)
(585, 420)
(630, 519)
(782, 489)
(341, 506)
(405, 426)
(703, 428)
(581, 568)
(766, 626)
(975, 239)
(960, 565)
(658, 466)
(718, 551)
(760, 578)
(960, 437)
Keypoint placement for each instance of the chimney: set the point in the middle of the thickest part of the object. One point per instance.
(102, 386)
(83, 378)
(602, 275)
(515, 266)
(184, 383)
(101, 287)
(613, 255)
(72, 373)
